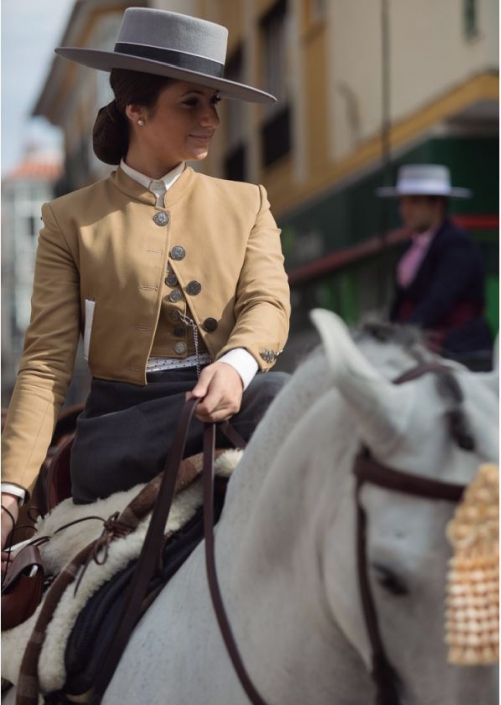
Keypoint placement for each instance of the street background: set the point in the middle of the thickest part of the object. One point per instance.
(363, 87)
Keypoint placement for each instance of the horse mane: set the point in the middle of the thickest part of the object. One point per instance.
(409, 338)
(413, 341)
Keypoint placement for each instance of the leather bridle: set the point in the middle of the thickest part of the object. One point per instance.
(366, 470)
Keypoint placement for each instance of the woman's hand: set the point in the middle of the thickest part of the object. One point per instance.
(11, 504)
(221, 388)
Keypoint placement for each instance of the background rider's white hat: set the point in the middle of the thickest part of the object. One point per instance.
(423, 180)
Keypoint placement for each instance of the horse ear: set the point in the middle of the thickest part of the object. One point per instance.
(342, 354)
(382, 409)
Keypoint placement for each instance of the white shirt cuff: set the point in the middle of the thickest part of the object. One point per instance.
(243, 362)
(17, 491)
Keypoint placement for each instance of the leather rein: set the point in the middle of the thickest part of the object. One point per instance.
(147, 562)
(366, 470)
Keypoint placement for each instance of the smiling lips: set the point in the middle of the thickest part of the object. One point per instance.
(205, 139)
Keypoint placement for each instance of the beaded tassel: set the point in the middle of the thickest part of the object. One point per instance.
(472, 615)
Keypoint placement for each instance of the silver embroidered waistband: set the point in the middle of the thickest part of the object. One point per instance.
(158, 364)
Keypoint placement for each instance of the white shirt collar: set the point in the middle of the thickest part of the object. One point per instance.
(169, 179)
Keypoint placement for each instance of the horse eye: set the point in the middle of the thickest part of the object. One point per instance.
(389, 580)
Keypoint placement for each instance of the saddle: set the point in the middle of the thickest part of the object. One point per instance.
(96, 626)
(22, 588)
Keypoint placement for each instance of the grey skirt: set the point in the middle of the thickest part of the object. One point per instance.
(125, 431)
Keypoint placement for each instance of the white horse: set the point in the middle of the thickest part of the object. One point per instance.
(285, 547)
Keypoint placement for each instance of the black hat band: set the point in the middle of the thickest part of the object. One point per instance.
(174, 58)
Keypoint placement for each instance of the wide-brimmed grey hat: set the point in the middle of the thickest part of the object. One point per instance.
(169, 44)
(424, 180)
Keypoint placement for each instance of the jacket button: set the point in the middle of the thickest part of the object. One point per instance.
(210, 325)
(161, 218)
(178, 252)
(171, 279)
(175, 295)
(175, 315)
(180, 347)
(193, 288)
(180, 331)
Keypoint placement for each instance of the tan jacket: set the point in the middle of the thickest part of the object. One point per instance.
(101, 251)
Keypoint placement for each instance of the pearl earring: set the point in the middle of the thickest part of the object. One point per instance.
(140, 122)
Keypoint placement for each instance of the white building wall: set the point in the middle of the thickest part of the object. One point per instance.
(21, 221)
(430, 53)
(489, 17)
(429, 56)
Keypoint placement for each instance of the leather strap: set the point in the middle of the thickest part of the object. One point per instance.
(383, 673)
(148, 559)
(210, 562)
(367, 469)
(232, 434)
(147, 562)
(419, 370)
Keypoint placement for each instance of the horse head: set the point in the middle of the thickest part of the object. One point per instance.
(439, 426)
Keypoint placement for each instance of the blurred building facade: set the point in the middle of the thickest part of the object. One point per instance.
(319, 150)
(72, 94)
(24, 190)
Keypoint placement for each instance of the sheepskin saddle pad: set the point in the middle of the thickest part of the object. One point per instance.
(84, 620)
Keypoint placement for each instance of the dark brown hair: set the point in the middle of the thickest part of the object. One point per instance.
(110, 137)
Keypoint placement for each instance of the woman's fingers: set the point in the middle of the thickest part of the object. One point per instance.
(220, 388)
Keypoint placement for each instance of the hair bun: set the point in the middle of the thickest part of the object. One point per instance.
(110, 134)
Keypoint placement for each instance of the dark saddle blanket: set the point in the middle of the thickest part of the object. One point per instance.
(92, 634)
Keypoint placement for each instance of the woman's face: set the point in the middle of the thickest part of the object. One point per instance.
(179, 128)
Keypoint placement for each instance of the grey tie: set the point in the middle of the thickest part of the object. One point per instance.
(158, 188)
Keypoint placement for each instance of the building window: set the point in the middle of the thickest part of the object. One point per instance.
(276, 130)
(33, 225)
(276, 135)
(470, 18)
(235, 166)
